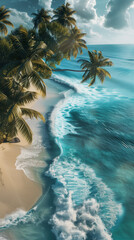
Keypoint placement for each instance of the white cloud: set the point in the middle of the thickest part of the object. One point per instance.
(45, 3)
(131, 16)
(93, 26)
(111, 36)
(84, 8)
(20, 18)
(132, 6)
(117, 13)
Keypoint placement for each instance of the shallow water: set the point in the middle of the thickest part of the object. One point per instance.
(90, 181)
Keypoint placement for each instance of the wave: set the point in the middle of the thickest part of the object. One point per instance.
(3, 238)
(12, 219)
(54, 119)
(74, 83)
(96, 91)
(60, 81)
(85, 206)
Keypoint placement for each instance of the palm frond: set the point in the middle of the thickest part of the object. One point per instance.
(93, 67)
(32, 113)
(26, 97)
(37, 81)
(4, 15)
(19, 49)
(7, 23)
(92, 82)
(25, 130)
(91, 56)
(102, 73)
(13, 112)
(3, 97)
(3, 28)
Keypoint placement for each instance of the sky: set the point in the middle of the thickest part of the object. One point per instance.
(103, 21)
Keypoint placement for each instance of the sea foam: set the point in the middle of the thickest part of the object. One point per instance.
(30, 156)
(85, 206)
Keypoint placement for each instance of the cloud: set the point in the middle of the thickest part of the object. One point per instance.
(84, 8)
(85, 17)
(28, 6)
(20, 18)
(117, 13)
(90, 17)
(45, 3)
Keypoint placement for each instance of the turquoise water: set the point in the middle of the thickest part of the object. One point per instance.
(90, 180)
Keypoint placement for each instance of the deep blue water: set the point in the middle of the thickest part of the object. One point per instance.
(91, 179)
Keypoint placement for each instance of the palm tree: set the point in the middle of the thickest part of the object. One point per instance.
(12, 109)
(93, 67)
(27, 64)
(4, 15)
(53, 36)
(5, 50)
(41, 17)
(63, 15)
(73, 43)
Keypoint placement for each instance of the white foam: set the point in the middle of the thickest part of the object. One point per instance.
(80, 212)
(19, 216)
(3, 238)
(85, 206)
(59, 125)
(75, 84)
(30, 156)
(12, 219)
(85, 96)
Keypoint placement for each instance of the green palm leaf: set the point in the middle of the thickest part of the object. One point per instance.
(3, 97)
(73, 43)
(93, 67)
(41, 17)
(92, 82)
(26, 97)
(18, 47)
(27, 54)
(14, 112)
(4, 15)
(63, 15)
(7, 23)
(3, 28)
(24, 129)
(37, 81)
(32, 113)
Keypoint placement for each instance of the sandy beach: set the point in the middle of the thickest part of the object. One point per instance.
(16, 190)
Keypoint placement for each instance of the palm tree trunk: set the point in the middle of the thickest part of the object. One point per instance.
(71, 70)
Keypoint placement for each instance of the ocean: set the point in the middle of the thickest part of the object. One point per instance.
(89, 136)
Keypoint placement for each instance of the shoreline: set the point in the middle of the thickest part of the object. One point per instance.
(17, 190)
